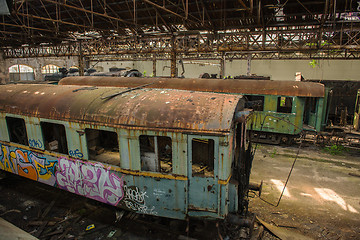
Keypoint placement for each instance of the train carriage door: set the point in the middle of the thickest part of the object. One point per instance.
(202, 173)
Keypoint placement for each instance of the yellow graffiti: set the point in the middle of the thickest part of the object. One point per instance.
(27, 164)
(6, 163)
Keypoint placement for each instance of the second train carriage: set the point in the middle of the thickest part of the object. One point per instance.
(282, 109)
(356, 123)
(169, 153)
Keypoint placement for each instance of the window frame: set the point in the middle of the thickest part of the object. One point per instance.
(84, 130)
(45, 121)
(155, 152)
(8, 129)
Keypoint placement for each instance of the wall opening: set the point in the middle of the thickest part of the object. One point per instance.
(50, 68)
(17, 130)
(156, 153)
(21, 72)
(202, 157)
(103, 146)
(54, 137)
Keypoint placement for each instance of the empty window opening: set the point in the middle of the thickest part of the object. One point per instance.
(17, 130)
(21, 72)
(54, 137)
(103, 146)
(50, 68)
(156, 153)
(255, 102)
(202, 157)
(284, 104)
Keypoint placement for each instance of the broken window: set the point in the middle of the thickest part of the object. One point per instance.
(103, 146)
(156, 153)
(284, 104)
(255, 102)
(202, 157)
(54, 137)
(17, 130)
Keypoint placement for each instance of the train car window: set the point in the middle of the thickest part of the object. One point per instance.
(202, 157)
(284, 104)
(54, 137)
(156, 153)
(103, 146)
(255, 102)
(358, 104)
(17, 130)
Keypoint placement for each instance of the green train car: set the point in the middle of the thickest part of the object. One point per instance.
(282, 109)
(357, 112)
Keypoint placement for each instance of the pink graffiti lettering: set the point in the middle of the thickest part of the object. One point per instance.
(90, 180)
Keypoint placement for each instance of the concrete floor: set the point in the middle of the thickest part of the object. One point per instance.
(322, 198)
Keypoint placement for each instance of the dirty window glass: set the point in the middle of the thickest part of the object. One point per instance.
(284, 104)
(202, 157)
(54, 137)
(17, 130)
(156, 153)
(103, 146)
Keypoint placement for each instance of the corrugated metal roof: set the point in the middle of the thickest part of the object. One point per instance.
(174, 110)
(261, 87)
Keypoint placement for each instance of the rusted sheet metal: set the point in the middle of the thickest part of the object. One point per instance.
(174, 110)
(260, 87)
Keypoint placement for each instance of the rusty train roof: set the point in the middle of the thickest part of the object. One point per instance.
(260, 87)
(174, 110)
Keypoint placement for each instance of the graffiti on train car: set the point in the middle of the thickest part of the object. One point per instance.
(27, 164)
(135, 200)
(35, 143)
(91, 180)
(76, 153)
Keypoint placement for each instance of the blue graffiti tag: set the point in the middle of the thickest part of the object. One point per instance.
(76, 153)
(35, 143)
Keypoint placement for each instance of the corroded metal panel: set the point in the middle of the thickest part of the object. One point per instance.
(258, 87)
(173, 110)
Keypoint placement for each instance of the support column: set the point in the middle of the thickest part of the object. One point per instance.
(222, 65)
(3, 70)
(81, 60)
(37, 73)
(154, 65)
(173, 58)
(249, 57)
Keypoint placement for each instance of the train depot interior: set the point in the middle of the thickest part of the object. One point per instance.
(160, 119)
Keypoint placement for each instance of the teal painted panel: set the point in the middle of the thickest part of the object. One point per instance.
(4, 135)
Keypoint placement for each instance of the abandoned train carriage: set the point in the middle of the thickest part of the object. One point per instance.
(282, 109)
(170, 153)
